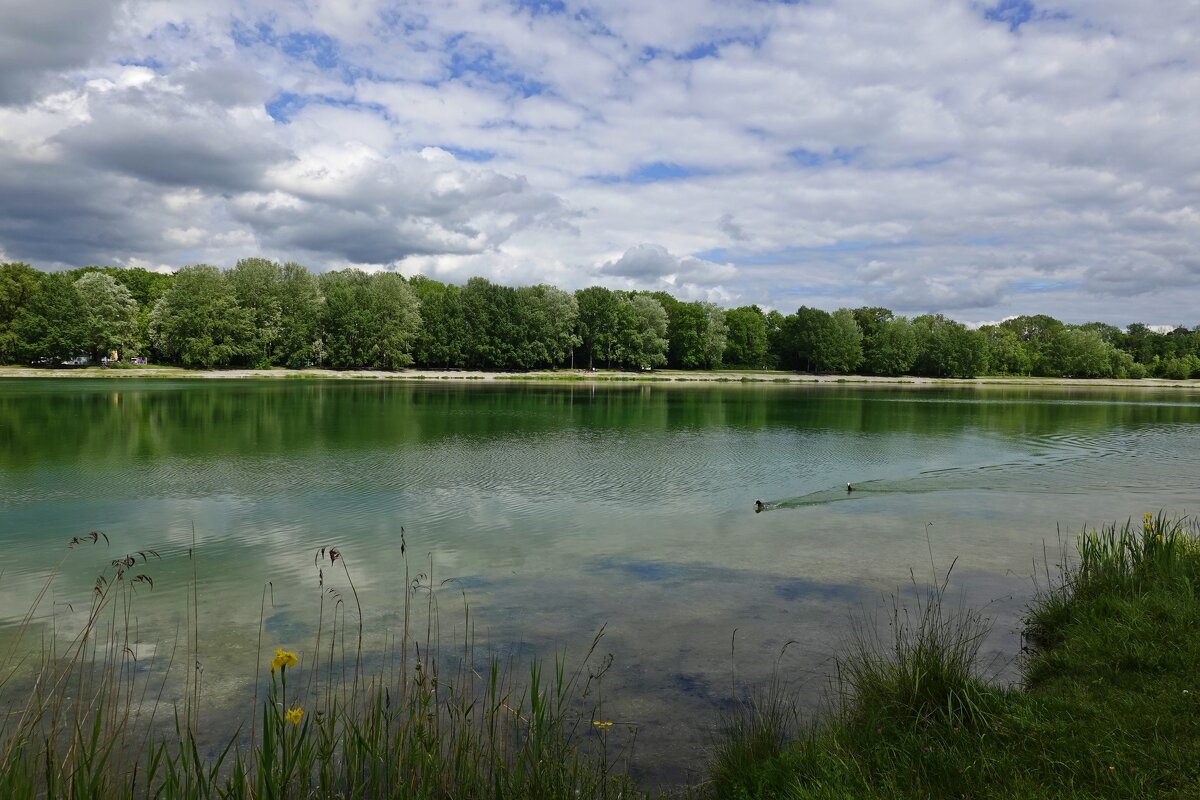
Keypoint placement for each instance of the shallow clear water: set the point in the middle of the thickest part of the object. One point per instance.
(559, 509)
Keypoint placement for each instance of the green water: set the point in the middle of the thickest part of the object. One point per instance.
(559, 509)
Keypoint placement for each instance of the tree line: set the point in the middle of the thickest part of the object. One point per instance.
(263, 314)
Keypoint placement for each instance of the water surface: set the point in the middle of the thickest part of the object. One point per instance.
(561, 509)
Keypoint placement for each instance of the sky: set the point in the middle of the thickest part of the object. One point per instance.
(976, 159)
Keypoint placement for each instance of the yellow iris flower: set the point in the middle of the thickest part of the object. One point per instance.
(283, 658)
(294, 715)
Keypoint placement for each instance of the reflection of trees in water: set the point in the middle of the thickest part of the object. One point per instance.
(100, 422)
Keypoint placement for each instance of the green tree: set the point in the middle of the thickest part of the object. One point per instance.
(1006, 351)
(561, 315)
(529, 323)
(803, 335)
(1087, 355)
(256, 285)
(19, 285)
(1042, 339)
(776, 340)
(50, 326)
(746, 344)
(841, 350)
(893, 348)
(301, 306)
(198, 322)
(598, 324)
(109, 319)
(947, 349)
(347, 324)
(145, 287)
(397, 317)
(643, 331)
(442, 339)
(370, 321)
(494, 339)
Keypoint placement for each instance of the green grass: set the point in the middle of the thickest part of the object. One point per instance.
(1108, 707)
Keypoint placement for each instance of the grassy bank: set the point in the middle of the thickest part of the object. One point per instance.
(1108, 707)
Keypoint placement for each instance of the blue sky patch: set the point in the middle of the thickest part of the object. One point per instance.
(653, 172)
(810, 158)
(317, 48)
(285, 105)
(541, 8)
(1013, 13)
(467, 62)
(148, 63)
(699, 51)
(467, 154)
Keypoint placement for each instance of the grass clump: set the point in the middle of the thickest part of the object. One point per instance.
(91, 721)
(1108, 705)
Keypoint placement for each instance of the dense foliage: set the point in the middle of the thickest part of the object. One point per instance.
(263, 314)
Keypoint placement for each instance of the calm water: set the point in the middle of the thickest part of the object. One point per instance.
(559, 509)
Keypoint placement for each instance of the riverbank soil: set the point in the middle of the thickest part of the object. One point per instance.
(659, 376)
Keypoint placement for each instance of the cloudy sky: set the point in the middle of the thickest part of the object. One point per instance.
(979, 160)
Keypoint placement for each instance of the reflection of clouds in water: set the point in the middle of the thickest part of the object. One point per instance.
(558, 511)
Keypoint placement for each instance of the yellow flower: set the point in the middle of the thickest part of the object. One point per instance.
(600, 724)
(283, 658)
(294, 715)
(1159, 537)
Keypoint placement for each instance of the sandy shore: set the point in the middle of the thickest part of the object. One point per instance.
(599, 376)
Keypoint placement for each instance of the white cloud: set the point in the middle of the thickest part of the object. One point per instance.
(855, 151)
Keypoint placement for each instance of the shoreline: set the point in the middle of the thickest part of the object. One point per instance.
(585, 376)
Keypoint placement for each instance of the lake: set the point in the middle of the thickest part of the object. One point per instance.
(554, 510)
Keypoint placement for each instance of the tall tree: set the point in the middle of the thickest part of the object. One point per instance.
(598, 324)
(198, 322)
(347, 324)
(1043, 342)
(561, 311)
(804, 334)
(948, 349)
(19, 284)
(301, 306)
(1006, 351)
(50, 326)
(493, 340)
(529, 322)
(395, 308)
(643, 331)
(256, 284)
(841, 349)
(746, 343)
(893, 348)
(442, 339)
(109, 319)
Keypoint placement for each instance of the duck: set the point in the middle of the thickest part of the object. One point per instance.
(759, 506)
(849, 487)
